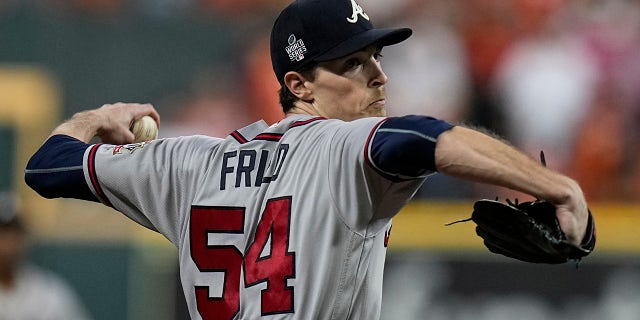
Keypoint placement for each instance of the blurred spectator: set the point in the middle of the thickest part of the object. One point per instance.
(606, 161)
(545, 83)
(28, 292)
(487, 28)
(433, 65)
(599, 152)
(435, 77)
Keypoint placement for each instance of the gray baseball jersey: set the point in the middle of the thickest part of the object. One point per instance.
(289, 221)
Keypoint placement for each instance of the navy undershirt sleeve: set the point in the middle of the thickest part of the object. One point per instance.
(405, 146)
(55, 170)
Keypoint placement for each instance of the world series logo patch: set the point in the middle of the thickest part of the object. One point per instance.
(296, 48)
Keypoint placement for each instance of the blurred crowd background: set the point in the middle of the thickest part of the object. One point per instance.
(555, 75)
(562, 76)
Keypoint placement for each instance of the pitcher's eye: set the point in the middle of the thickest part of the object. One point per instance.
(352, 63)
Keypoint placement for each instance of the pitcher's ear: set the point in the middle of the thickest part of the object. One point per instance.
(297, 84)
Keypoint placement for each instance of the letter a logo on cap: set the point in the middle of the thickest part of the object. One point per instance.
(357, 10)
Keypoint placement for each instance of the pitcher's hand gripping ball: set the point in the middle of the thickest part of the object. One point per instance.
(144, 129)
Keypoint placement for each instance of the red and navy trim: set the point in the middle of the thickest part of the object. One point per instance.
(93, 176)
(305, 122)
(275, 137)
(239, 137)
(269, 136)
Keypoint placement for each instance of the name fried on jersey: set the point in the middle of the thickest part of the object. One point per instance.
(249, 168)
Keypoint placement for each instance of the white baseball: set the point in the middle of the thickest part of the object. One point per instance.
(144, 129)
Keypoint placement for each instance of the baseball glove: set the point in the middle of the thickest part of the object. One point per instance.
(528, 231)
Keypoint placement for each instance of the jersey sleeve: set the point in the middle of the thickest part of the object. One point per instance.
(377, 164)
(55, 170)
(404, 147)
(154, 182)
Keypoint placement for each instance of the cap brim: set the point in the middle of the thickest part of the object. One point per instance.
(383, 37)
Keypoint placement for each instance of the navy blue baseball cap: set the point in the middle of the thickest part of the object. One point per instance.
(322, 30)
